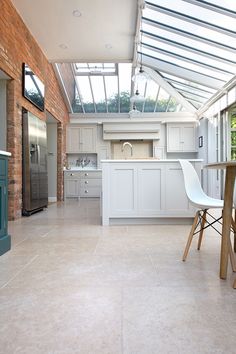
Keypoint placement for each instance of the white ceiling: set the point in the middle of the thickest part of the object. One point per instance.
(104, 32)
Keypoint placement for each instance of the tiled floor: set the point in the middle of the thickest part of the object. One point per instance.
(70, 285)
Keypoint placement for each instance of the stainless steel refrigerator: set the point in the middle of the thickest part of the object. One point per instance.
(35, 179)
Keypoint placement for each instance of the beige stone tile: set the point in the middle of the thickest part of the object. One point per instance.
(60, 320)
(87, 270)
(179, 320)
(53, 245)
(12, 265)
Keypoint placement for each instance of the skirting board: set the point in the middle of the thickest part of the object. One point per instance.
(148, 221)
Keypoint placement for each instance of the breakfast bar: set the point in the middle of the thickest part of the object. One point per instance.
(145, 191)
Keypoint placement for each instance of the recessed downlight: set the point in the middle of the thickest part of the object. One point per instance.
(108, 46)
(63, 46)
(76, 13)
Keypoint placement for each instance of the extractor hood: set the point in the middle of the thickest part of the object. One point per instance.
(131, 130)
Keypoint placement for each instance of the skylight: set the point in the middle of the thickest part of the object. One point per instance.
(191, 43)
(189, 48)
(106, 88)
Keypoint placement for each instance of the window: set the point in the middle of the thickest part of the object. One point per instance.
(233, 136)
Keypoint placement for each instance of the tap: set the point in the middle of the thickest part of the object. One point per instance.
(130, 145)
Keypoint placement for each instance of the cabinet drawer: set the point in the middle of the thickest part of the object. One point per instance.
(71, 175)
(91, 174)
(90, 191)
(93, 182)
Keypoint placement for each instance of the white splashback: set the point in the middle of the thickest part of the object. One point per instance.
(140, 149)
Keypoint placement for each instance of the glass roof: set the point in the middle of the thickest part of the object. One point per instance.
(190, 45)
(107, 88)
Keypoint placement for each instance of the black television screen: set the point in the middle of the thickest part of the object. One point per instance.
(33, 88)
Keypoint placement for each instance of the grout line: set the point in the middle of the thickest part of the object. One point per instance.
(45, 235)
(122, 321)
(20, 271)
(151, 261)
(95, 250)
(21, 241)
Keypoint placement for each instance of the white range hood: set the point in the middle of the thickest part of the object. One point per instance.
(131, 131)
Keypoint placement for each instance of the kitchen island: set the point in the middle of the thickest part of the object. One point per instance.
(145, 191)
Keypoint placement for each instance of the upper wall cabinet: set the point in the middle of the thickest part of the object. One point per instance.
(81, 139)
(181, 137)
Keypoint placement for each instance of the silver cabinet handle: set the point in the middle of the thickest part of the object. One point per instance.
(86, 182)
(86, 191)
(72, 174)
(86, 174)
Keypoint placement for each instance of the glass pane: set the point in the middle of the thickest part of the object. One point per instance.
(125, 86)
(229, 4)
(189, 27)
(190, 66)
(233, 154)
(189, 55)
(162, 101)
(111, 83)
(173, 105)
(200, 12)
(98, 93)
(151, 96)
(233, 122)
(233, 139)
(191, 42)
(76, 104)
(86, 95)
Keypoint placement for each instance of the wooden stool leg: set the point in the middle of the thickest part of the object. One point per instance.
(232, 257)
(201, 232)
(234, 231)
(190, 236)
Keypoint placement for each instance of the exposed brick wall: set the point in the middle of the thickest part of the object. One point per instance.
(17, 45)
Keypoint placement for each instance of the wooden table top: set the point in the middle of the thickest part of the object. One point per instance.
(221, 165)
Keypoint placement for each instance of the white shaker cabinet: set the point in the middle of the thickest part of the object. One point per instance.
(86, 183)
(144, 190)
(81, 139)
(136, 190)
(71, 184)
(181, 137)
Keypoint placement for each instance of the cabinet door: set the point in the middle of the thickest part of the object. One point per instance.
(88, 139)
(71, 188)
(3, 206)
(174, 138)
(123, 191)
(73, 140)
(188, 138)
(150, 190)
(176, 201)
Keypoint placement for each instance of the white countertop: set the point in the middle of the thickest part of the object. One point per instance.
(73, 169)
(148, 160)
(5, 153)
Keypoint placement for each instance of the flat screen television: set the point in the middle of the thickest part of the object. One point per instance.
(33, 88)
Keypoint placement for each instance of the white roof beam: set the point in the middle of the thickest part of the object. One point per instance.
(170, 89)
(216, 8)
(183, 73)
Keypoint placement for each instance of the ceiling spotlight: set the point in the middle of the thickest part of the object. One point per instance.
(76, 13)
(63, 46)
(108, 46)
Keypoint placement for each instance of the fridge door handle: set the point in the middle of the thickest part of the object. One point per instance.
(38, 151)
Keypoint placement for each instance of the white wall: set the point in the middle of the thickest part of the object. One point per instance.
(52, 161)
(3, 115)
